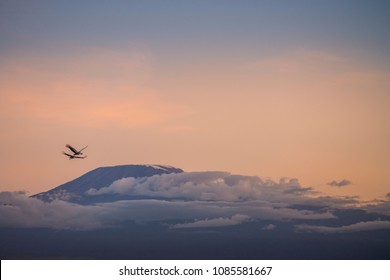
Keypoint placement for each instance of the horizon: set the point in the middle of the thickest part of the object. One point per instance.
(255, 88)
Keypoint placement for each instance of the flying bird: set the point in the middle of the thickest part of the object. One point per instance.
(76, 153)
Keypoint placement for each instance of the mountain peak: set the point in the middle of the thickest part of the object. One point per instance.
(101, 177)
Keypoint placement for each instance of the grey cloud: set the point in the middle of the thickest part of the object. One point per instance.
(159, 210)
(19, 210)
(62, 195)
(340, 184)
(216, 222)
(299, 190)
(381, 207)
(361, 226)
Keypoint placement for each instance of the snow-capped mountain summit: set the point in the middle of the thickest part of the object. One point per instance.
(74, 191)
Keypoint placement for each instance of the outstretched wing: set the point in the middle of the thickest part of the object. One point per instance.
(71, 148)
(67, 154)
(80, 157)
(83, 149)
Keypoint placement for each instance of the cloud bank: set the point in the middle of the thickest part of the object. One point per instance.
(217, 222)
(361, 226)
(206, 186)
(19, 210)
(187, 200)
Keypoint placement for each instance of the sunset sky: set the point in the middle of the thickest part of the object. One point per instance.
(297, 89)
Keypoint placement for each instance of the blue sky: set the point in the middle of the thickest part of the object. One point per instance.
(190, 25)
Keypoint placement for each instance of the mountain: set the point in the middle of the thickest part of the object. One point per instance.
(188, 215)
(74, 191)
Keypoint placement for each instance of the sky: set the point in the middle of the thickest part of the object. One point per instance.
(275, 89)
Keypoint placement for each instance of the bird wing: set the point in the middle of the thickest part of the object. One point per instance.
(83, 148)
(80, 157)
(71, 148)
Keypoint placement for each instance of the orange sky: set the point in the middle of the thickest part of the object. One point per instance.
(265, 88)
(313, 115)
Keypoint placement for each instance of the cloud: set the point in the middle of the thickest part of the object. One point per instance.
(361, 226)
(182, 200)
(206, 186)
(194, 186)
(163, 210)
(19, 210)
(216, 222)
(223, 186)
(381, 207)
(269, 227)
(340, 184)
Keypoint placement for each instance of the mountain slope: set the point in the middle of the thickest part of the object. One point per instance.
(74, 190)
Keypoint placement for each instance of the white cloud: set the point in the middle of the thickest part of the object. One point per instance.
(361, 226)
(269, 227)
(216, 222)
(197, 199)
(205, 186)
(223, 186)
